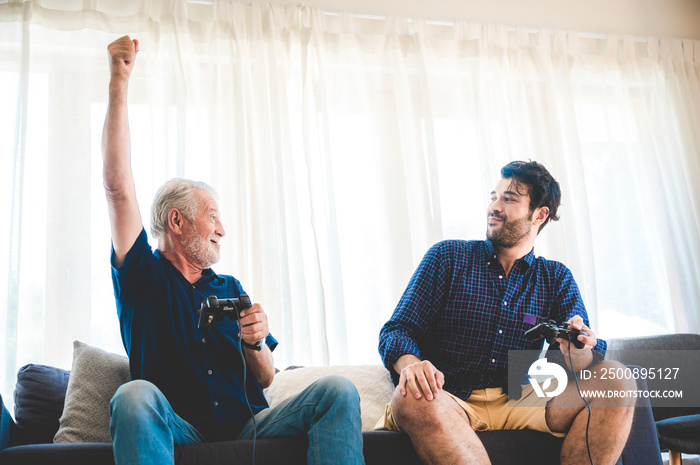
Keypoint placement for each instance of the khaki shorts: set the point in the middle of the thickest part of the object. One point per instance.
(488, 409)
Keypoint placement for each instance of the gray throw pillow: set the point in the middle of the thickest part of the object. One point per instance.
(94, 378)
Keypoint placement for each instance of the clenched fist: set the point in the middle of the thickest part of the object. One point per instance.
(122, 53)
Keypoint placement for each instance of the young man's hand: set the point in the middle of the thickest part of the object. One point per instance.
(420, 377)
(581, 358)
(590, 339)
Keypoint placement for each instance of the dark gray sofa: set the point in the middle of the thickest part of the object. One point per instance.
(678, 428)
(380, 448)
(22, 444)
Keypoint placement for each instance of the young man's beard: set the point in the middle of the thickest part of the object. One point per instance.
(202, 251)
(511, 233)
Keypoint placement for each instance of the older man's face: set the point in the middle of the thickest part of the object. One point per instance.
(201, 237)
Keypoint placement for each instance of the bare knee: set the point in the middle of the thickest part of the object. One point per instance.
(439, 429)
(608, 389)
(411, 413)
(616, 382)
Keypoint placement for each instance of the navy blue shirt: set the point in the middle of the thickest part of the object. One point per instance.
(463, 314)
(199, 372)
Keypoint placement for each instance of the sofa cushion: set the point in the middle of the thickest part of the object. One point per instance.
(681, 434)
(373, 383)
(95, 376)
(380, 448)
(58, 454)
(39, 395)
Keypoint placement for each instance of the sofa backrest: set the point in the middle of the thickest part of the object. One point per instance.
(630, 351)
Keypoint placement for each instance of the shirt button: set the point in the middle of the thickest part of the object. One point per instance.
(216, 404)
(505, 303)
(209, 372)
(204, 340)
(500, 331)
(493, 360)
(500, 276)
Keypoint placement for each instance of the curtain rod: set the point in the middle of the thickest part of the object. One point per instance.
(434, 22)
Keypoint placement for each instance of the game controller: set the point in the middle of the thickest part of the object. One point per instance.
(550, 331)
(215, 309)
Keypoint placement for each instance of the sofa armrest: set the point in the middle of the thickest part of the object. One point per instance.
(7, 427)
(643, 442)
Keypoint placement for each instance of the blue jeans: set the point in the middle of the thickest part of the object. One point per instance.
(145, 429)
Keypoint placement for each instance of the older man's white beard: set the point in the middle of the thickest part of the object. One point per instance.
(203, 252)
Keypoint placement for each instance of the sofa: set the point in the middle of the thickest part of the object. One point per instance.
(678, 427)
(61, 417)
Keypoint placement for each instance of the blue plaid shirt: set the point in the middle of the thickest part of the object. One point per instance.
(463, 314)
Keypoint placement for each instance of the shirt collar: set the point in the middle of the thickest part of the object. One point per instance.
(208, 274)
(492, 257)
(527, 260)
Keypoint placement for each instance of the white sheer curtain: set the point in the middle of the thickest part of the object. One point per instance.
(342, 147)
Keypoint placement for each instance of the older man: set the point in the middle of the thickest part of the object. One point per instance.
(193, 385)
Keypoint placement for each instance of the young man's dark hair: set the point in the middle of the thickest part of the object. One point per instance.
(544, 189)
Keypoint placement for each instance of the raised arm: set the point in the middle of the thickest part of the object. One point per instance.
(124, 213)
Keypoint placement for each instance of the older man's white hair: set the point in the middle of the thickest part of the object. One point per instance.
(177, 193)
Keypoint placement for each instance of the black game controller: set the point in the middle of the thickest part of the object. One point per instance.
(214, 309)
(551, 331)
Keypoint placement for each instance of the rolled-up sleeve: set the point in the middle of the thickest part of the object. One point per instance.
(420, 303)
(568, 303)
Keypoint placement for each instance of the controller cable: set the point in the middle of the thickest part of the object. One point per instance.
(239, 346)
(578, 388)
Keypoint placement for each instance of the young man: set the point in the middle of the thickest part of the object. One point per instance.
(191, 385)
(466, 306)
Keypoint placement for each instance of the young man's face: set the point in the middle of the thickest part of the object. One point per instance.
(509, 219)
(201, 237)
